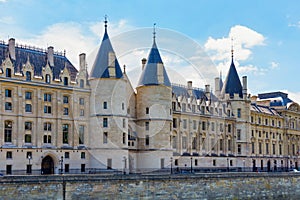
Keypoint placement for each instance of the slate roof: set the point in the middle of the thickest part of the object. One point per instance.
(197, 93)
(276, 98)
(38, 59)
(100, 67)
(232, 84)
(263, 109)
(149, 74)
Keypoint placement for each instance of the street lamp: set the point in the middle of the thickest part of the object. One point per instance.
(171, 165)
(61, 164)
(191, 164)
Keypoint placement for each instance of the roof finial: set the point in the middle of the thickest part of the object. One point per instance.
(105, 22)
(154, 32)
(232, 47)
(124, 69)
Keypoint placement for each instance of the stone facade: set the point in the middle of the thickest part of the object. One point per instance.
(55, 117)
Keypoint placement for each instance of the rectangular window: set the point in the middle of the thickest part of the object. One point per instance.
(8, 106)
(8, 155)
(184, 123)
(280, 149)
(104, 105)
(173, 106)
(194, 143)
(229, 128)
(214, 163)
(28, 126)
(8, 93)
(66, 111)
(266, 121)
(27, 138)
(81, 101)
(174, 123)
(8, 169)
(229, 145)
(109, 163)
(203, 126)
(221, 144)
(47, 126)
(82, 155)
(65, 99)
(147, 110)
(253, 147)
(239, 149)
(47, 139)
(124, 123)
(81, 134)
(147, 126)
(82, 167)
(47, 97)
(260, 148)
(105, 135)
(267, 148)
(212, 126)
(67, 155)
(7, 131)
(47, 109)
(65, 133)
(239, 113)
(273, 147)
(28, 108)
(67, 168)
(81, 112)
(221, 127)
(105, 122)
(238, 134)
(147, 141)
(124, 138)
(184, 142)
(194, 124)
(28, 95)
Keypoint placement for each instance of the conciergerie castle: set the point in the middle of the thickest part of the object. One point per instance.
(58, 118)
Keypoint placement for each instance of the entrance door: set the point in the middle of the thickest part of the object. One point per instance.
(269, 165)
(47, 165)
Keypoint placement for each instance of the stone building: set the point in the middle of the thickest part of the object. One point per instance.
(56, 118)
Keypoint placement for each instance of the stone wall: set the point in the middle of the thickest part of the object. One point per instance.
(197, 186)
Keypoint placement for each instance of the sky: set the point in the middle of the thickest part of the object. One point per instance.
(195, 38)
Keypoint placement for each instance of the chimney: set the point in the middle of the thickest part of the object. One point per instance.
(244, 86)
(12, 48)
(190, 87)
(50, 56)
(207, 91)
(144, 60)
(160, 73)
(254, 99)
(82, 62)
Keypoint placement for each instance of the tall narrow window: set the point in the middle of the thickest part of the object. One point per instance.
(8, 72)
(238, 132)
(81, 83)
(8, 131)
(239, 113)
(65, 99)
(105, 105)
(65, 133)
(147, 126)
(105, 122)
(28, 95)
(28, 108)
(28, 76)
(147, 141)
(105, 135)
(47, 97)
(8, 106)
(147, 110)
(66, 81)
(81, 101)
(8, 93)
(48, 78)
(124, 138)
(81, 134)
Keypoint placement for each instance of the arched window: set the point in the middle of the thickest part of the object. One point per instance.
(81, 83)
(28, 76)
(7, 131)
(8, 72)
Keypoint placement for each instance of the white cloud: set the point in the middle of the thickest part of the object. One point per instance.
(243, 39)
(7, 19)
(295, 96)
(3, 1)
(274, 65)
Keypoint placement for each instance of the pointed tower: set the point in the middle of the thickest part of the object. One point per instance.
(108, 109)
(236, 94)
(154, 116)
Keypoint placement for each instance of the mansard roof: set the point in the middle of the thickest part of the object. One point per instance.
(101, 65)
(276, 98)
(232, 84)
(38, 59)
(149, 74)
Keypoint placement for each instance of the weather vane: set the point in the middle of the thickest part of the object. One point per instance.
(154, 32)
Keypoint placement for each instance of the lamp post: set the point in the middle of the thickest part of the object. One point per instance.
(29, 165)
(191, 164)
(61, 164)
(171, 165)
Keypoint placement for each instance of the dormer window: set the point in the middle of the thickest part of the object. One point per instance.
(66, 81)
(8, 72)
(28, 76)
(81, 83)
(48, 78)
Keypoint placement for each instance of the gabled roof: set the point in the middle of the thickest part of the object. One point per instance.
(149, 74)
(101, 65)
(232, 84)
(38, 59)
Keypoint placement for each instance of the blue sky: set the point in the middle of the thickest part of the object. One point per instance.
(266, 34)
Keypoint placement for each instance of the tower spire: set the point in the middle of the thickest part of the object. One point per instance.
(154, 32)
(232, 48)
(105, 23)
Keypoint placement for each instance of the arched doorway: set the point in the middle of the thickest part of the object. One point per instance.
(47, 165)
